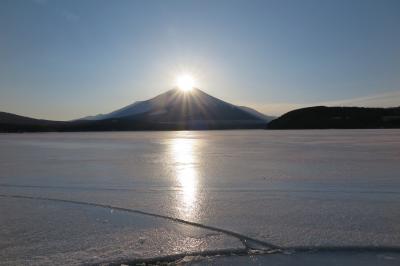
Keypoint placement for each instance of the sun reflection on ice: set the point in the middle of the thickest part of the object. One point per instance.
(184, 160)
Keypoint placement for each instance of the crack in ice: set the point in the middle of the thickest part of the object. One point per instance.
(250, 244)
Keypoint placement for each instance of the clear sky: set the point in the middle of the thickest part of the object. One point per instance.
(68, 59)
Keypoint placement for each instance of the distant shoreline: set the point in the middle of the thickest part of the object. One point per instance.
(312, 118)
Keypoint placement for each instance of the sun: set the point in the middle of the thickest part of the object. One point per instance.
(185, 82)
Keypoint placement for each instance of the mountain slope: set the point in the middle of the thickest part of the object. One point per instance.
(12, 123)
(322, 117)
(178, 110)
(172, 110)
(8, 118)
(194, 105)
(132, 109)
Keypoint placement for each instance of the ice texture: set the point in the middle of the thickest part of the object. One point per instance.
(292, 189)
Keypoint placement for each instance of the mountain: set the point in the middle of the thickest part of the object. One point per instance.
(196, 104)
(14, 123)
(322, 117)
(132, 109)
(8, 118)
(172, 110)
(175, 109)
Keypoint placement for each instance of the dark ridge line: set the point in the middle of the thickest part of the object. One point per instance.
(244, 239)
(160, 189)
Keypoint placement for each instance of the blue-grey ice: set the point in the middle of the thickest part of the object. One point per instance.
(291, 189)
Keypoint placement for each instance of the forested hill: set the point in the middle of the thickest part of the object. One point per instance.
(322, 117)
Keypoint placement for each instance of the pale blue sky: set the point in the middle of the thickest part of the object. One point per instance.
(67, 59)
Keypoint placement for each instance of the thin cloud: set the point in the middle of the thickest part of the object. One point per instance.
(389, 99)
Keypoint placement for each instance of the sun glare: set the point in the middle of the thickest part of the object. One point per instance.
(185, 163)
(185, 82)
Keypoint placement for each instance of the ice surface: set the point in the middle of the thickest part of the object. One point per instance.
(331, 258)
(314, 188)
(42, 232)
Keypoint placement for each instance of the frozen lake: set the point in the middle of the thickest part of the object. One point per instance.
(105, 197)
